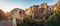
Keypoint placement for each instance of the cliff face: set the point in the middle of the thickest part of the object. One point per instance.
(28, 11)
(39, 11)
(36, 11)
(57, 6)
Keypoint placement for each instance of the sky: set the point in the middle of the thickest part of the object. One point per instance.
(8, 5)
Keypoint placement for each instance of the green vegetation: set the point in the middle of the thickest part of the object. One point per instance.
(54, 20)
(28, 22)
(19, 23)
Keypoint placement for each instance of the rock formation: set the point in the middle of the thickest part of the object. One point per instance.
(57, 6)
(28, 11)
(39, 11)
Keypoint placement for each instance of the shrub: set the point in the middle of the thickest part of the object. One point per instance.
(53, 20)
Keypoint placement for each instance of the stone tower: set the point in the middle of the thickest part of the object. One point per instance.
(16, 13)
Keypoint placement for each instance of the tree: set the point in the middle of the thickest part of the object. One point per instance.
(3, 15)
(26, 22)
(54, 20)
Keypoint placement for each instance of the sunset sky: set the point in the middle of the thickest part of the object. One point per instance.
(8, 5)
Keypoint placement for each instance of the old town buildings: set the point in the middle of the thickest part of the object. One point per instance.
(17, 13)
